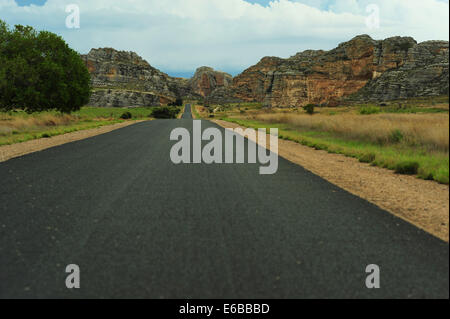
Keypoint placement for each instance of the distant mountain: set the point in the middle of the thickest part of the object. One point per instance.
(361, 69)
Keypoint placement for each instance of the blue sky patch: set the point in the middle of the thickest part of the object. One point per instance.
(24, 3)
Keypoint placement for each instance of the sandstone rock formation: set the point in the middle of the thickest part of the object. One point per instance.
(206, 80)
(326, 77)
(129, 80)
(360, 69)
(425, 72)
(125, 98)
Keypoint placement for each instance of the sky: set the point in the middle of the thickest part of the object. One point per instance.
(177, 36)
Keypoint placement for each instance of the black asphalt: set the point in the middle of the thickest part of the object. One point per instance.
(187, 112)
(141, 227)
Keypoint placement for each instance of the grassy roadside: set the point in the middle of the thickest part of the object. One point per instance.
(18, 126)
(426, 165)
(408, 136)
(180, 114)
(194, 112)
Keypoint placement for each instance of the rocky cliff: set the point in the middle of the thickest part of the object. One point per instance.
(125, 98)
(392, 68)
(360, 69)
(123, 78)
(206, 80)
(425, 72)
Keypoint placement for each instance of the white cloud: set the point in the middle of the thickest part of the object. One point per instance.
(180, 35)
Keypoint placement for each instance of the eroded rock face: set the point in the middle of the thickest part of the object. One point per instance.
(129, 80)
(124, 98)
(360, 69)
(125, 70)
(424, 73)
(325, 77)
(206, 80)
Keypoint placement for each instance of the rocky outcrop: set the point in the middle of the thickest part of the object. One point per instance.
(222, 95)
(124, 79)
(360, 69)
(326, 77)
(424, 73)
(129, 80)
(125, 98)
(206, 80)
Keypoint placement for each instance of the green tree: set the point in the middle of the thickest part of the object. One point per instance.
(38, 71)
(309, 109)
(178, 102)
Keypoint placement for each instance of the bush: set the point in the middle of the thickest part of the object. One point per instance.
(39, 72)
(407, 168)
(396, 136)
(367, 110)
(126, 116)
(165, 113)
(178, 102)
(309, 109)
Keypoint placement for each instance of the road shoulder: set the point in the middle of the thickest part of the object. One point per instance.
(422, 203)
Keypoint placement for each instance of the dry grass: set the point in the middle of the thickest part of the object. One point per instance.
(427, 130)
(18, 126)
(10, 124)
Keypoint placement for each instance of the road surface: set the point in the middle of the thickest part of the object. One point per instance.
(187, 114)
(139, 226)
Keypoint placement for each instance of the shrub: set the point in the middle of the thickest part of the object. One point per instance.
(396, 136)
(165, 113)
(126, 116)
(367, 158)
(407, 168)
(178, 102)
(309, 108)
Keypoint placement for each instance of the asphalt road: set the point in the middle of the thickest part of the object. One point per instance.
(187, 112)
(139, 226)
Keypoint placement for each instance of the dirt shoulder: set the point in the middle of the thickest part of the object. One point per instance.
(15, 150)
(422, 203)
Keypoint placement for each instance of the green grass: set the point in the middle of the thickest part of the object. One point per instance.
(402, 159)
(438, 104)
(414, 110)
(194, 112)
(113, 112)
(367, 110)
